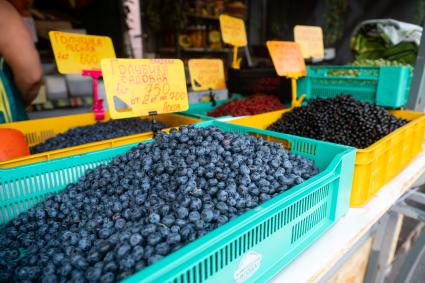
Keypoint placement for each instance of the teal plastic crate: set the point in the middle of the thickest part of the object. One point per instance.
(200, 110)
(385, 86)
(250, 248)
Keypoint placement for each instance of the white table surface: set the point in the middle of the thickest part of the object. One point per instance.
(317, 260)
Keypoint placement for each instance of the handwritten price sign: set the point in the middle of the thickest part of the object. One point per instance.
(206, 74)
(145, 85)
(310, 38)
(287, 58)
(76, 52)
(233, 31)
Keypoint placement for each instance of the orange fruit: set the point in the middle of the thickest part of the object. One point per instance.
(12, 144)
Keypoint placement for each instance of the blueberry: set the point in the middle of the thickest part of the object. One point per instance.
(154, 258)
(127, 263)
(49, 278)
(135, 239)
(175, 229)
(154, 218)
(108, 277)
(207, 215)
(123, 251)
(148, 229)
(58, 258)
(195, 204)
(222, 195)
(65, 269)
(137, 253)
(194, 216)
(168, 220)
(79, 262)
(93, 256)
(162, 249)
(222, 219)
(84, 244)
(148, 252)
(119, 224)
(182, 212)
(110, 267)
(173, 238)
(154, 238)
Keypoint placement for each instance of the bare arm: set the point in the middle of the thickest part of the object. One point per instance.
(18, 50)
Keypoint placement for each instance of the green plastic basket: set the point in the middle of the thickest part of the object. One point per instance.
(385, 86)
(250, 248)
(200, 110)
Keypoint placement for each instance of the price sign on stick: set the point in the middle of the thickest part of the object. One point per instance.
(75, 53)
(310, 38)
(81, 54)
(288, 61)
(233, 33)
(206, 74)
(145, 85)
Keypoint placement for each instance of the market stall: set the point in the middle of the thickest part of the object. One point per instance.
(188, 169)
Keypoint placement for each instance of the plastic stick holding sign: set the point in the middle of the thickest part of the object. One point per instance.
(233, 32)
(146, 86)
(288, 61)
(310, 38)
(81, 54)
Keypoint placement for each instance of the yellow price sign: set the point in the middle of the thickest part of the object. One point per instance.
(287, 58)
(310, 38)
(233, 31)
(206, 74)
(144, 85)
(288, 61)
(77, 52)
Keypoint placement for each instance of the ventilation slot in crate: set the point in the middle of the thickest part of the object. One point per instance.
(309, 222)
(304, 148)
(235, 249)
(32, 190)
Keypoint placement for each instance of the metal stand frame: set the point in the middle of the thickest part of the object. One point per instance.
(417, 90)
(378, 266)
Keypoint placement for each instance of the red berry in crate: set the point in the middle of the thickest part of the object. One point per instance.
(251, 105)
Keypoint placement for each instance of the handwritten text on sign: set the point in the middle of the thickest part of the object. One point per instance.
(206, 74)
(287, 58)
(76, 52)
(233, 31)
(145, 85)
(310, 38)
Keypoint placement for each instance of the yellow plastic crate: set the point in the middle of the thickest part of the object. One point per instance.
(376, 164)
(37, 131)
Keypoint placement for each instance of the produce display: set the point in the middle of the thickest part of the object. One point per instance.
(367, 62)
(378, 63)
(96, 132)
(251, 105)
(377, 39)
(121, 217)
(341, 120)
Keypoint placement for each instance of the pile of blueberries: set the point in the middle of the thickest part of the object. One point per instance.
(96, 132)
(126, 215)
(341, 119)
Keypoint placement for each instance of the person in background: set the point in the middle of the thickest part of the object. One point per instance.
(20, 68)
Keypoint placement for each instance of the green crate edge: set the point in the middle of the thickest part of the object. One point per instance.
(340, 169)
(391, 79)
